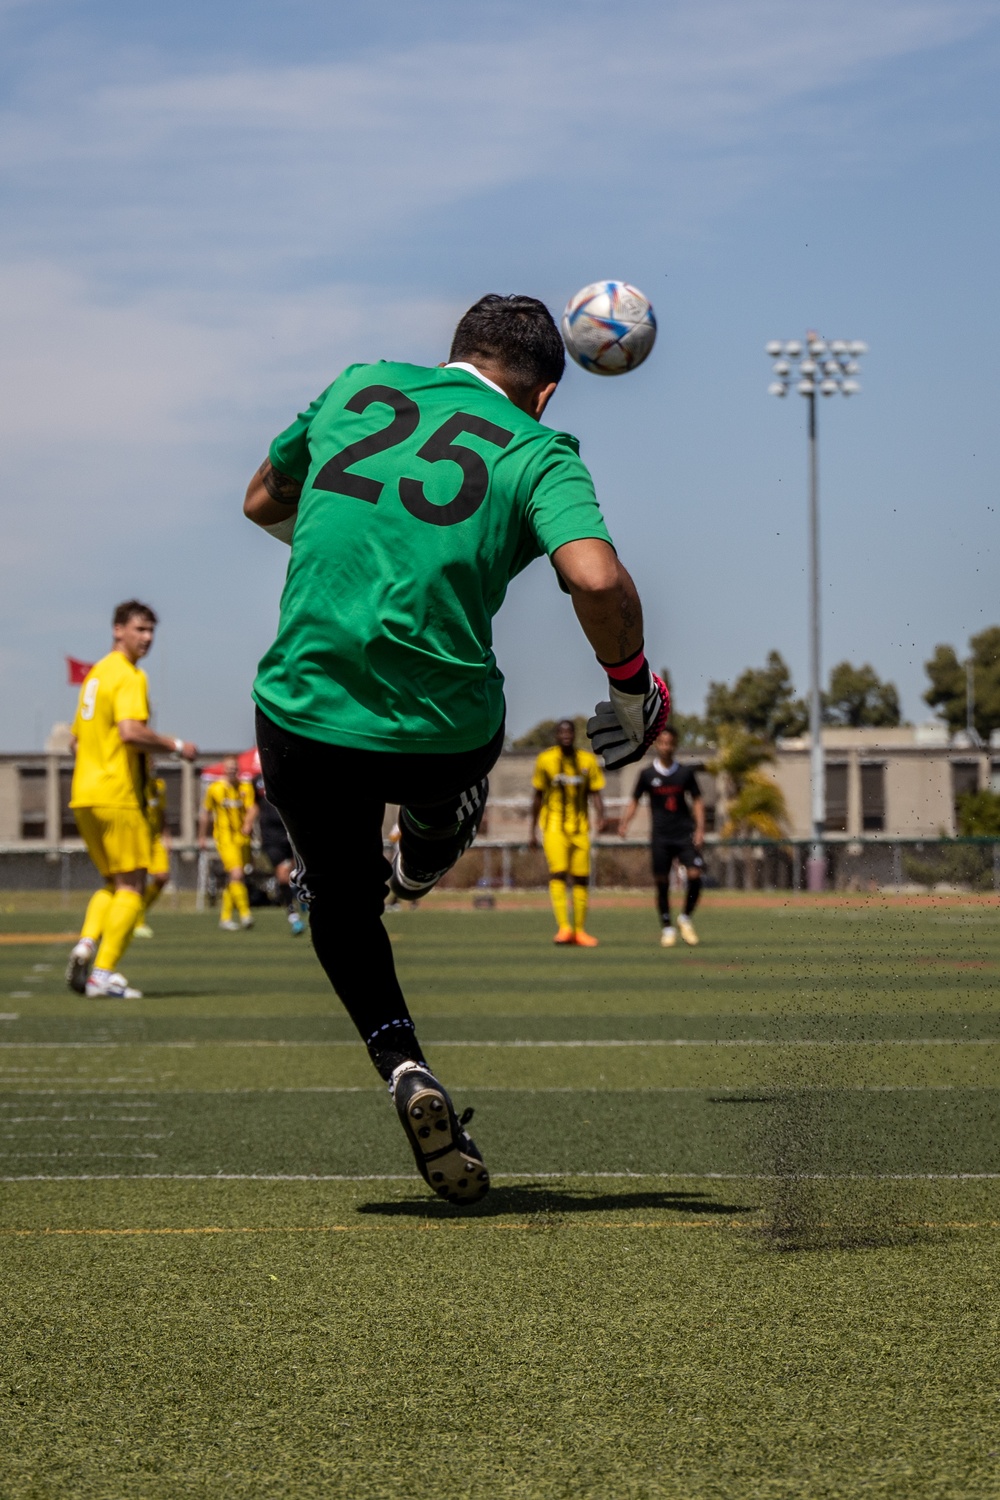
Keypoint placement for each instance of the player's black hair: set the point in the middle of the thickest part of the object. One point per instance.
(131, 607)
(517, 333)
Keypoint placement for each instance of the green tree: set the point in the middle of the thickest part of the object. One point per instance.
(979, 815)
(947, 692)
(754, 803)
(761, 701)
(858, 697)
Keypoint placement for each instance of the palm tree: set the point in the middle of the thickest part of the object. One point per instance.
(753, 803)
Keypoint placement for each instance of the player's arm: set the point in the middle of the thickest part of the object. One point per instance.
(631, 808)
(271, 500)
(137, 732)
(608, 608)
(536, 808)
(698, 809)
(204, 819)
(597, 803)
(250, 820)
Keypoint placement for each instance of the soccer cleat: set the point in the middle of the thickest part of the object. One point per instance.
(142, 931)
(584, 940)
(565, 937)
(296, 923)
(80, 960)
(229, 925)
(668, 937)
(448, 1158)
(110, 986)
(687, 932)
(246, 923)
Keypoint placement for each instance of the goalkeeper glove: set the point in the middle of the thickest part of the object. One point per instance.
(624, 727)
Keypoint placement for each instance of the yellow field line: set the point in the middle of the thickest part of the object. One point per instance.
(8, 939)
(467, 1225)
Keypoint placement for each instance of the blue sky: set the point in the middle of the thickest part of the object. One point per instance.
(208, 210)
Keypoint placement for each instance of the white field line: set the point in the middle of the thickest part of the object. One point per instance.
(924, 1041)
(518, 1177)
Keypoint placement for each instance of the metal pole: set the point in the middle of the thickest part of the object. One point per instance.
(816, 869)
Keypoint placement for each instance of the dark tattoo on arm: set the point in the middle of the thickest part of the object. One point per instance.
(280, 487)
(631, 621)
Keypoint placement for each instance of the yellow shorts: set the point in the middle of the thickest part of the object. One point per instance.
(567, 851)
(234, 853)
(117, 838)
(159, 858)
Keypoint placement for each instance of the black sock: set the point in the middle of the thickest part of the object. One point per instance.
(285, 897)
(394, 1043)
(663, 901)
(693, 892)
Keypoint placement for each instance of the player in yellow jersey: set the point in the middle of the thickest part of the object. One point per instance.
(158, 872)
(111, 734)
(566, 781)
(230, 807)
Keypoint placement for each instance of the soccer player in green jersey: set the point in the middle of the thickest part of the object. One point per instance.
(411, 497)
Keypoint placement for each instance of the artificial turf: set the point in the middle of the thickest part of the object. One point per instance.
(220, 1276)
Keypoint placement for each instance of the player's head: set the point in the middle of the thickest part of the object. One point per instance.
(133, 625)
(232, 767)
(566, 734)
(515, 338)
(665, 744)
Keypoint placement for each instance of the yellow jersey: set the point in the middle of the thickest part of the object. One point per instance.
(109, 773)
(566, 779)
(156, 804)
(229, 806)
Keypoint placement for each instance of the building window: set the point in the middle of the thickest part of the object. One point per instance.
(32, 788)
(964, 780)
(872, 797)
(836, 798)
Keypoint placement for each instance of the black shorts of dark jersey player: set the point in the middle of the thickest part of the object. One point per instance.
(665, 853)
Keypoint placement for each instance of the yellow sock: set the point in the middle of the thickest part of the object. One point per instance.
(125, 910)
(241, 899)
(227, 904)
(560, 904)
(97, 914)
(581, 895)
(154, 890)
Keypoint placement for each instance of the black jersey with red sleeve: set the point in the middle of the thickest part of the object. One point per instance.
(670, 790)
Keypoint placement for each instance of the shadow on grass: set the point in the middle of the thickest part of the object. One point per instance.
(541, 1200)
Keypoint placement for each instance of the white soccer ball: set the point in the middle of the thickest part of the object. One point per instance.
(609, 327)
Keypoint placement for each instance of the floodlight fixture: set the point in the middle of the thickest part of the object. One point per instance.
(836, 367)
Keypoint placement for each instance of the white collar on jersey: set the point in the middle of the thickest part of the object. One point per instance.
(663, 770)
(460, 364)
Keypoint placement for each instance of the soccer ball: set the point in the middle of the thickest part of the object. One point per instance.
(609, 327)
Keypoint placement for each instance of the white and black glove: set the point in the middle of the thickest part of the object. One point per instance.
(624, 727)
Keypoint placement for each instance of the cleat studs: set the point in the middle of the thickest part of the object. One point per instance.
(441, 1125)
(424, 1132)
(438, 1176)
(436, 1105)
(416, 1113)
(463, 1182)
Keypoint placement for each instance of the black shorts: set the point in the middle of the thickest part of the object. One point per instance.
(278, 849)
(665, 853)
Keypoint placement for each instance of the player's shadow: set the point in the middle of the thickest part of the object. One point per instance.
(539, 1199)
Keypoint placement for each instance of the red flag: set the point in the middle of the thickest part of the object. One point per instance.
(77, 670)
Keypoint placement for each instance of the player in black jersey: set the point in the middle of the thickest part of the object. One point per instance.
(277, 846)
(678, 831)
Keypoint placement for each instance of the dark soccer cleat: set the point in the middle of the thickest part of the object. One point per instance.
(447, 1156)
(406, 887)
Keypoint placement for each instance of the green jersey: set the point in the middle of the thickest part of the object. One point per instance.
(425, 491)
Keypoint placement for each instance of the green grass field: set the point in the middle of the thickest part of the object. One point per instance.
(744, 1237)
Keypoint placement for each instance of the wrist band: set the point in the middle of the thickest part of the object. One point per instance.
(622, 670)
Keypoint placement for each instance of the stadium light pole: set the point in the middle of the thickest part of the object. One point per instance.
(825, 368)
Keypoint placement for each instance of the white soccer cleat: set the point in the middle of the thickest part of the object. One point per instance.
(110, 987)
(668, 937)
(229, 925)
(246, 923)
(80, 960)
(686, 927)
(142, 931)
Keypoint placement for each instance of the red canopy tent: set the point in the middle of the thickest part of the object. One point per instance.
(248, 761)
